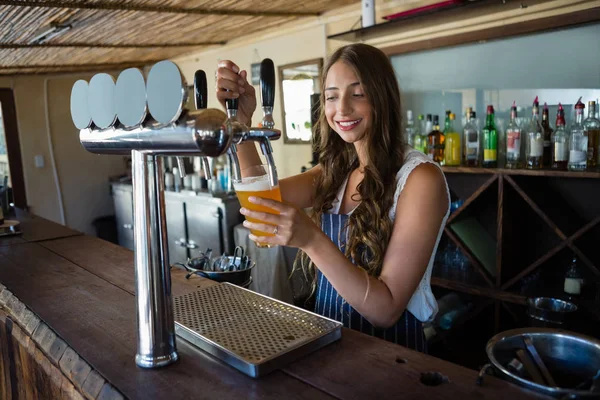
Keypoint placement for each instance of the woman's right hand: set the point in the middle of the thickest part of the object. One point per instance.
(233, 84)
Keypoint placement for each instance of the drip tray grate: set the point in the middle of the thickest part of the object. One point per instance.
(249, 331)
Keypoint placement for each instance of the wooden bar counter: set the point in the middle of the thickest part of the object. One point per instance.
(68, 330)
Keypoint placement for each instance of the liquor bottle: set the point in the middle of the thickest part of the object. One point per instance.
(573, 280)
(547, 130)
(534, 150)
(592, 128)
(560, 142)
(452, 142)
(420, 141)
(578, 141)
(471, 140)
(435, 142)
(410, 130)
(428, 125)
(490, 140)
(513, 140)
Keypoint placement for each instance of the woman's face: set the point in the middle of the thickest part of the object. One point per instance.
(347, 108)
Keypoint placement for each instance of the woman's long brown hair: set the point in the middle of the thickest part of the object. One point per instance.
(369, 224)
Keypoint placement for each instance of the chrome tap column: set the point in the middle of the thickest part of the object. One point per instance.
(156, 335)
(147, 120)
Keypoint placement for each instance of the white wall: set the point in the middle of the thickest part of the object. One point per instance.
(82, 176)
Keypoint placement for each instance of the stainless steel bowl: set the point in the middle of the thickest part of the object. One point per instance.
(571, 358)
(548, 309)
(240, 278)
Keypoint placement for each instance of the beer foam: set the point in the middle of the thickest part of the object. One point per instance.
(253, 184)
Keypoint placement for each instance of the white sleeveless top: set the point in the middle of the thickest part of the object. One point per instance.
(422, 304)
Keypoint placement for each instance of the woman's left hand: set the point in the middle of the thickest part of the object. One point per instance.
(291, 227)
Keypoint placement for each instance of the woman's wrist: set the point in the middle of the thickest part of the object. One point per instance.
(246, 145)
(314, 241)
(245, 120)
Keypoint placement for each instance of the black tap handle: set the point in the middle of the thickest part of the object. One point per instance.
(231, 104)
(200, 90)
(267, 82)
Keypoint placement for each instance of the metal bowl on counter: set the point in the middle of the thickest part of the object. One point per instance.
(553, 362)
(238, 275)
(550, 310)
(236, 269)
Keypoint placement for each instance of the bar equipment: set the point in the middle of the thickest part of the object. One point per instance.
(166, 129)
(549, 312)
(201, 101)
(130, 98)
(101, 100)
(553, 362)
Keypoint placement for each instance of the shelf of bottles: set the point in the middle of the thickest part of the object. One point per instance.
(517, 229)
(534, 145)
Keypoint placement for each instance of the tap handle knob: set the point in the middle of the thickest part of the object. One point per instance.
(267, 82)
(200, 90)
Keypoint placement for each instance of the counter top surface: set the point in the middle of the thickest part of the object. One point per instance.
(83, 287)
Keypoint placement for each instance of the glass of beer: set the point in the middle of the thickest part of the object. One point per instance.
(255, 182)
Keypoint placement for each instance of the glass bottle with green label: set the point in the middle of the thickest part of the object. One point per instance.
(490, 140)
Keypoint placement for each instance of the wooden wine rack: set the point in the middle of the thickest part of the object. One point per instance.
(514, 199)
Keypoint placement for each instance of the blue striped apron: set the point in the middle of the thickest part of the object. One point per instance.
(407, 332)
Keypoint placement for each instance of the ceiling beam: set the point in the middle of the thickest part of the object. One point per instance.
(156, 9)
(106, 45)
(44, 68)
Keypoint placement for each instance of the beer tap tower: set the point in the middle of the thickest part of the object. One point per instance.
(147, 120)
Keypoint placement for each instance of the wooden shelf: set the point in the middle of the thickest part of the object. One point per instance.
(463, 287)
(527, 172)
(442, 335)
(473, 14)
(388, 27)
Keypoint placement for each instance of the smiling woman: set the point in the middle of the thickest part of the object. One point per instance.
(378, 208)
(346, 105)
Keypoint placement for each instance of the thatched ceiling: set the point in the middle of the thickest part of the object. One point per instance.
(121, 33)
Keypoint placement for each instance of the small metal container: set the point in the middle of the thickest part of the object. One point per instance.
(550, 310)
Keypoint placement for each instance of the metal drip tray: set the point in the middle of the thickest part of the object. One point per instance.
(249, 331)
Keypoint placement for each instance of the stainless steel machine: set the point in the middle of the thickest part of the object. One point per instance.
(147, 119)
